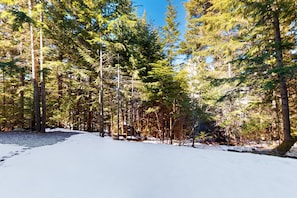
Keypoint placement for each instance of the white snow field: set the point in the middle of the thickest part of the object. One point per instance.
(87, 166)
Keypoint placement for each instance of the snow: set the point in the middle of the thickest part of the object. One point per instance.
(8, 150)
(82, 165)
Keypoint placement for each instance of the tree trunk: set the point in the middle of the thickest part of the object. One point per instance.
(159, 125)
(59, 77)
(171, 126)
(90, 112)
(132, 112)
(42, 79)
(21, 122)
(21, 115)
(34, 74)
(193, 136)
(172, 121)
(4, 100)
(288, 139)
(180, 130)
(118, 102)
(89, 121)
(101, 131)
(122, 121)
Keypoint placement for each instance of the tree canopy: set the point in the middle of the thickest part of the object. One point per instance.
(97, 66)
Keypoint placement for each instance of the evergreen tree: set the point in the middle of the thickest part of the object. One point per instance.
(72, 34)
(15, 53)
(211, 46)
(34, 69)
(275, 20)
(171, 32)
(245, 41)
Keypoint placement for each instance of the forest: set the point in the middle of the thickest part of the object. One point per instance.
(96, 66)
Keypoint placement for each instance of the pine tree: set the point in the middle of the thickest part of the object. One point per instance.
(171, 32)
(275, 18)
(86, 31)
(210, 44)
(249, 39)
(15, 56)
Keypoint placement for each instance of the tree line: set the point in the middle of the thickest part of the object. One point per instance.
(87, 65)
(95, 65)
(244, 53)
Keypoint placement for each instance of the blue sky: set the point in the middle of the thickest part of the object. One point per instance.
(156, 11)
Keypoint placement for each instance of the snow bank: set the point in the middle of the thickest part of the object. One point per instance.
(86, 166)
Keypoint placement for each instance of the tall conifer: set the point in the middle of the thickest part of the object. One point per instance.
(171, 32)
(247, 40)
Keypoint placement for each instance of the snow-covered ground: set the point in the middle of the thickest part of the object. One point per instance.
(81, 165)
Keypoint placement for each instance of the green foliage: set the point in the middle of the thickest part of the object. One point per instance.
(19, 19)
(171, 33)
(203, 136)
(232, 46)
(255, 125)
(162, 88)
(230, 75)
(73, 34)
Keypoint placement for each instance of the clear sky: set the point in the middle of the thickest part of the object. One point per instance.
(156, 11)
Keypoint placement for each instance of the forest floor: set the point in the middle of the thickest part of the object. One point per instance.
(80, 165)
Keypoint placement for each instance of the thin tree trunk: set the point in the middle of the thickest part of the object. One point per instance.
(59, 77)
(118, 100)
(159, 126)
(101, 131)
(90, 116)
(137, 121)
(193, 129)
(122, 121)
(132, 112)
(42, 79)
(34, 74)
(172, 122)
(4, 99)
(193, 136)
(180, 130)
(90, 112)
(170, 127)
(288, 139)
(22, 85)
(21, 115)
